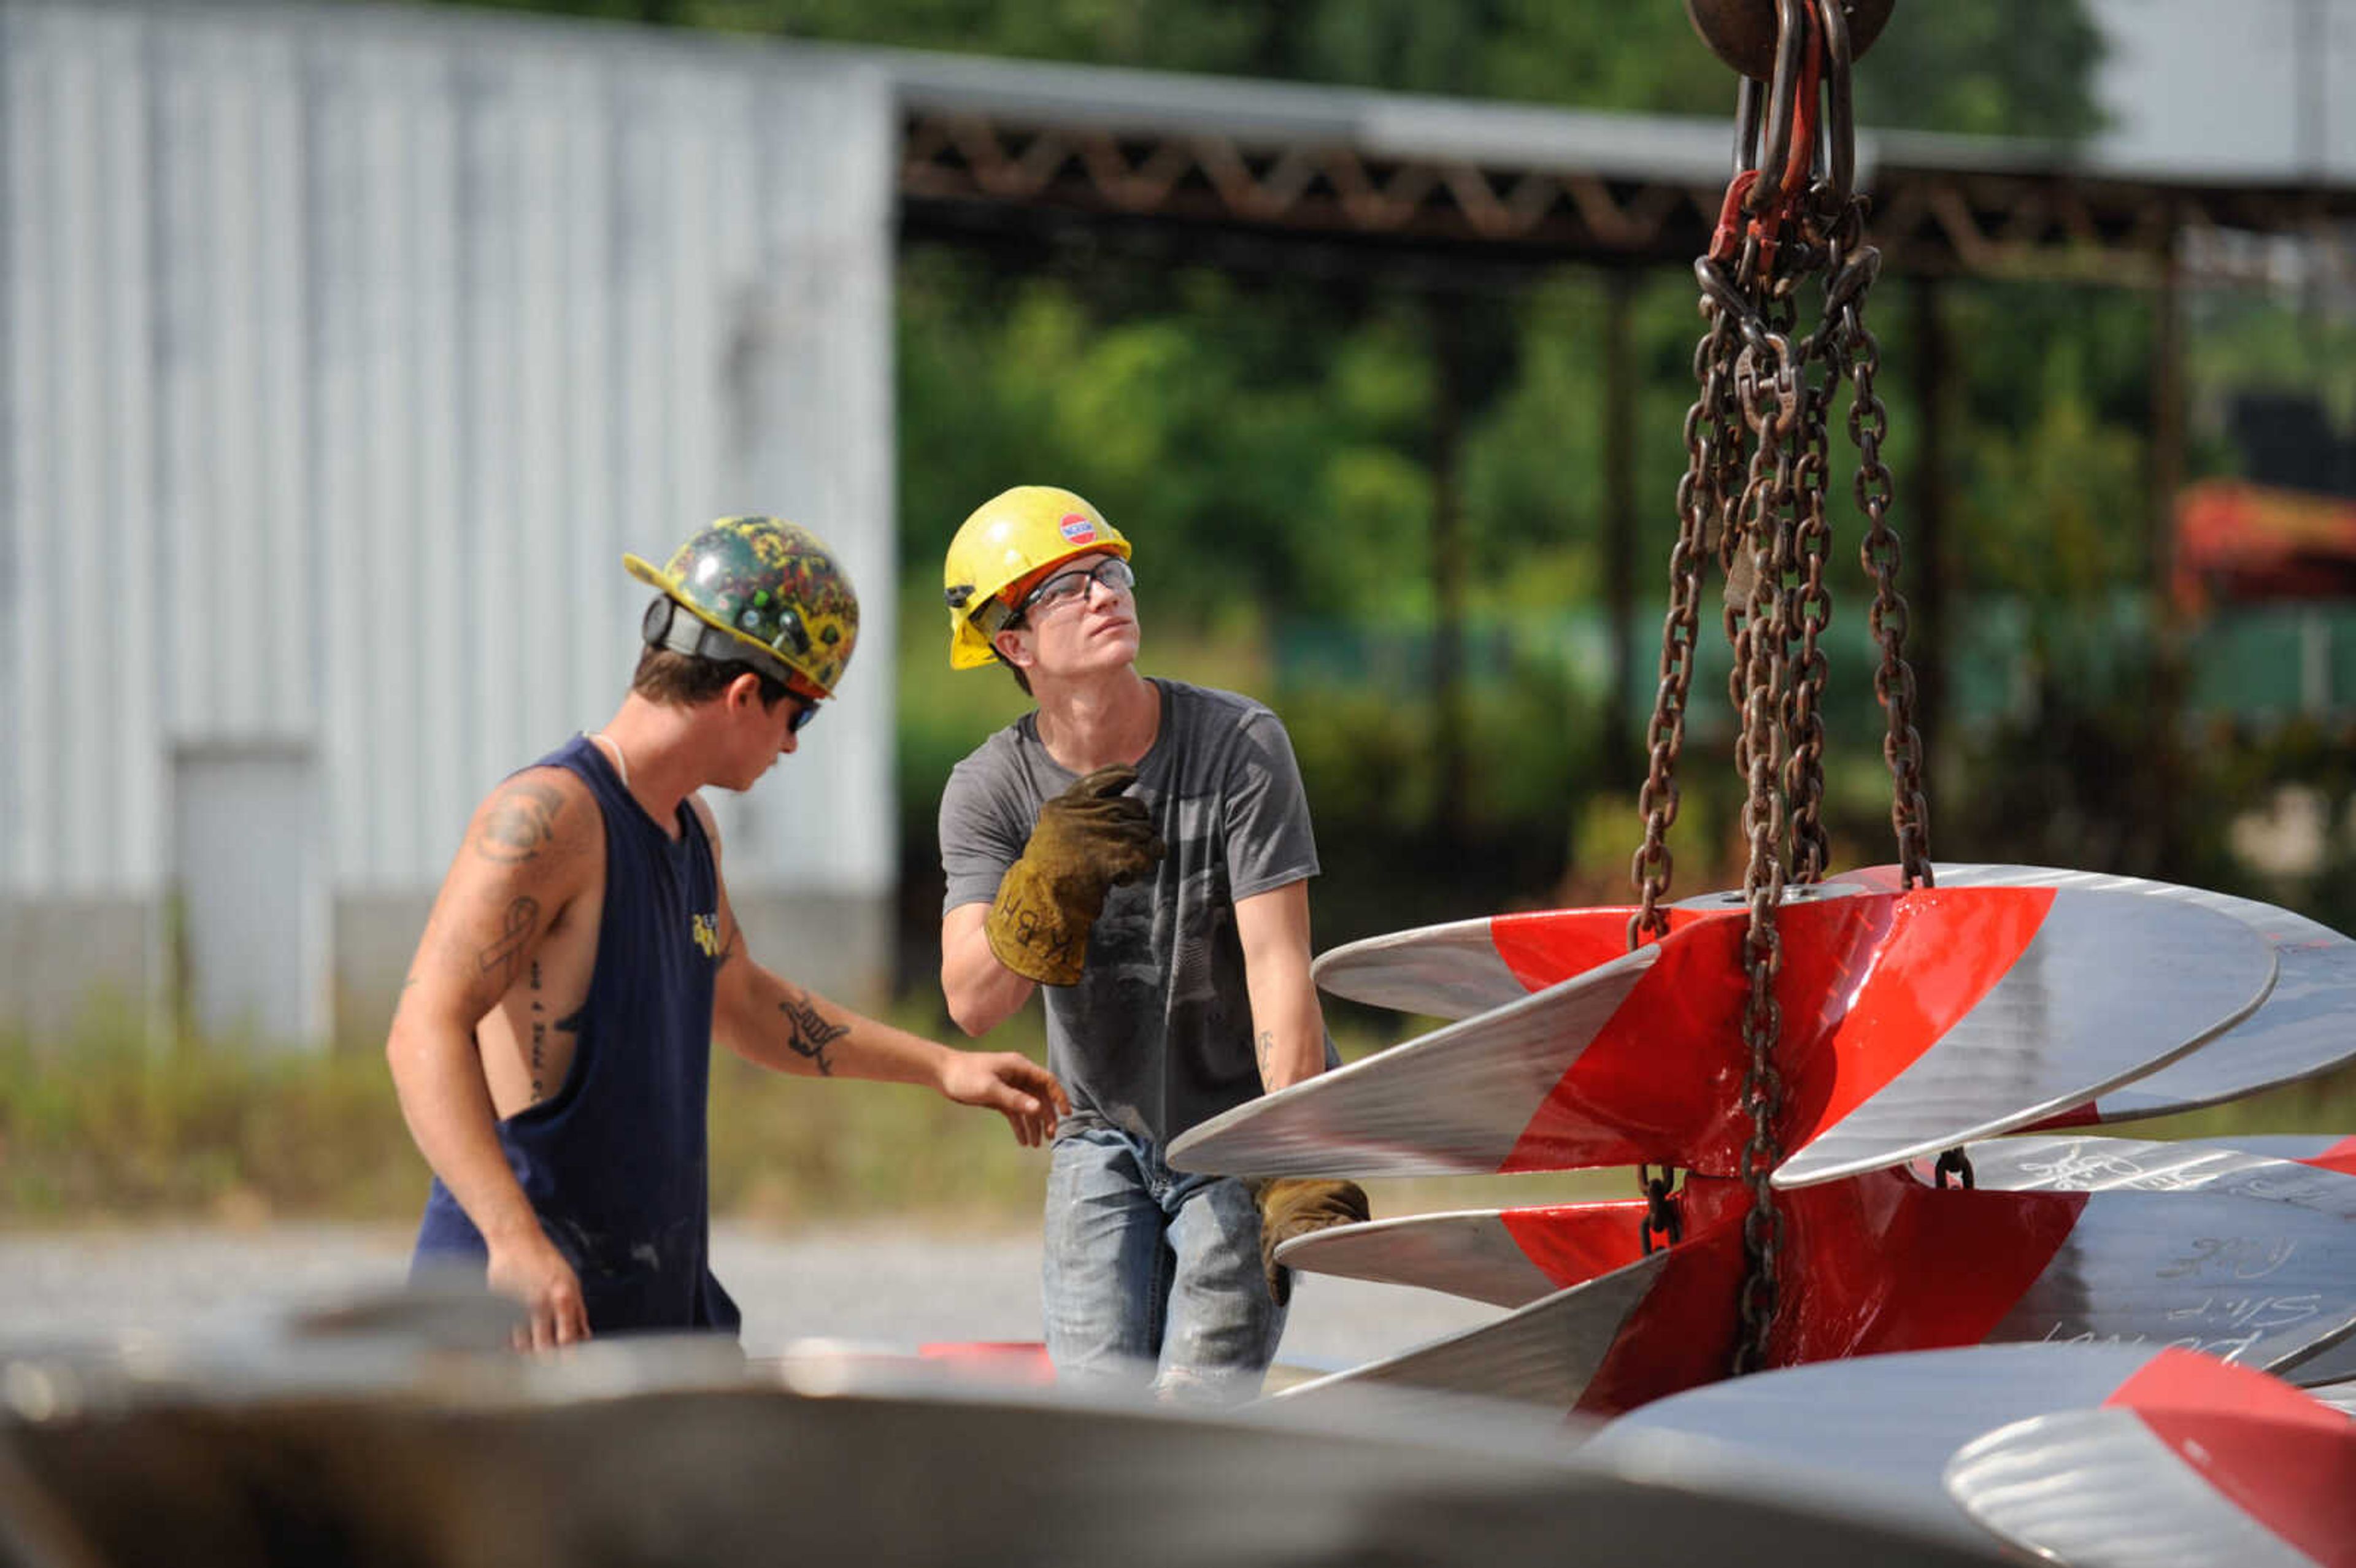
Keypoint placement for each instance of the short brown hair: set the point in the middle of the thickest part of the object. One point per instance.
(683, 680)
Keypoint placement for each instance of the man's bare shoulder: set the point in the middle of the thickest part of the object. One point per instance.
(539, 821)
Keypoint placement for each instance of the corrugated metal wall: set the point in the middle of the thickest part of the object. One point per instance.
(345, 352)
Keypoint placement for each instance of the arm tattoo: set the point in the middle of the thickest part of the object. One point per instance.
(1265, 1047)
(521, 820)
(501, 957)
(809, 1032)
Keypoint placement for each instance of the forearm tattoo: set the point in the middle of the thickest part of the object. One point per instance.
(1265, 1046)
(809, 1032)
(519, 822)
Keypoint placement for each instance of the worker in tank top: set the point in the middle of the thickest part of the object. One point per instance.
(551, 1047)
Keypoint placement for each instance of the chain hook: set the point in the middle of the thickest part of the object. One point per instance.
(1840, 111)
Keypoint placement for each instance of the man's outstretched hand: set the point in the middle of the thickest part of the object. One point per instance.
(1028, 1095)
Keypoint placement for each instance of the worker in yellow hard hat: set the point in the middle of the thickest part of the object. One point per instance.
(552, 1046)
(1141, 847)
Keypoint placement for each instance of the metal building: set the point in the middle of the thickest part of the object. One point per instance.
(344, 352)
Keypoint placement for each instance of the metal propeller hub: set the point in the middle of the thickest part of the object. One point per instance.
(1742, 32)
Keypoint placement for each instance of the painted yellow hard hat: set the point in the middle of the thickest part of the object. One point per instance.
(757, 591)
(1014, 535)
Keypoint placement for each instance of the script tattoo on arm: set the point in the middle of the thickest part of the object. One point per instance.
(809, 1032)
(1265, 1047)
(520, 821)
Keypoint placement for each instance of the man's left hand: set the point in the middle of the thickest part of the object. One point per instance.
(1293, 1206)
(1028, 1095)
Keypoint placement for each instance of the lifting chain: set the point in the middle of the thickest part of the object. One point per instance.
(1758, 461)
(1713, 448)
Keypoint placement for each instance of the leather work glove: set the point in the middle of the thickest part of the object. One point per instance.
(1088, 840)
(1293, 1206)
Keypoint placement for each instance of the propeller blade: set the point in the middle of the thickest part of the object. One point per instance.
(1887, 1262)
(1912, 1023)
(2187, 1462)
(1880, 1428)
(1487, 1255)
(2301, 1030)
(555, 1470)
(2332, 1151)
(1453, 1102)
(2106, 988)
(1469, 966)
(2078, 1163)
(1663, 1323)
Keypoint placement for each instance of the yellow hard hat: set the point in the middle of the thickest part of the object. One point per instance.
(1015, 535)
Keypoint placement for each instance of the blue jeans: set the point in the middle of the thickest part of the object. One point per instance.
(1150, 1274)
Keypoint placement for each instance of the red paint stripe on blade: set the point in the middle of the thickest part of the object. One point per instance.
(1658, 1081)
(1551, 945)
(1945, 952)
(1682, 1334)
(2341, 1156)
(1870, 982)
(1881, 1262)
(2106, 986)
(2286, 1460)
(1573, 1243)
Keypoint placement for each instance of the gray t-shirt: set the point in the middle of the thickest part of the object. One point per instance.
(1157, 1035)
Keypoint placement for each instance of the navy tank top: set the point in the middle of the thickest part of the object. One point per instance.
(613, 1163)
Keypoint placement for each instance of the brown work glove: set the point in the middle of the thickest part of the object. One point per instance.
(1088, 839)
(1293, 1206)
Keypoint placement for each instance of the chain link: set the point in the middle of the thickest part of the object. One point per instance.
(1811, 613)
(1769, 386)
(1758, 476)
(1711, 432)
(1868, 421)
(1661, 1217)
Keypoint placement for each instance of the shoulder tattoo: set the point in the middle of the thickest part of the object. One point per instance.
(520, 820)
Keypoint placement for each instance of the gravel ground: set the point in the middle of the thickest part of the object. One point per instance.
(872, 1287)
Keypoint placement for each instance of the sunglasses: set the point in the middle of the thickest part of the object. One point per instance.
(804, 711)
(1112, 571)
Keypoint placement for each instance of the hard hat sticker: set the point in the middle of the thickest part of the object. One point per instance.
(1079, 527)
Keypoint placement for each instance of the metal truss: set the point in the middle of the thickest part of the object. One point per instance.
(965, 170)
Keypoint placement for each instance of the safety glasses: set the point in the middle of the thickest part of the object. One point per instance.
(804, 711)
(1073, 586)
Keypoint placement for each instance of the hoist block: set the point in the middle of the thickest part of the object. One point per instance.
(1743, 33)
